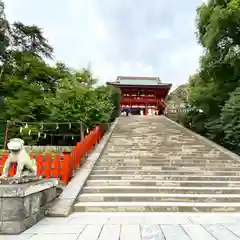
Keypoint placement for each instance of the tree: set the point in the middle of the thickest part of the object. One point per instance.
(179, 94)
(32, 90)
(4, 29)
(230, 120)
(30, 39)
(115, 99)
(26, 104)
(85, 77)
(218, 28)
(63, 70)
(4, 39)
(74, 101)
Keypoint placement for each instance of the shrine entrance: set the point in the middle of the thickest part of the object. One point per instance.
(143, 95)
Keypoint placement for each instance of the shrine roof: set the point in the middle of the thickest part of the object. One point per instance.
(138, 81)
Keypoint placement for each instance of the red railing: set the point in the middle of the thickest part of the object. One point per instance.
(61, 166)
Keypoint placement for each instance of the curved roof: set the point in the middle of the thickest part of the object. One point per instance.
(137, 81)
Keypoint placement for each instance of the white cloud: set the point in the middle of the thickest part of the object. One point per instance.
(165, 34)
(118, 37)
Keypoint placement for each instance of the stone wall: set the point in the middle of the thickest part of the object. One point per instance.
(23, 205)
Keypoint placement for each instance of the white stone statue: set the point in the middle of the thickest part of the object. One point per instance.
(19, 155)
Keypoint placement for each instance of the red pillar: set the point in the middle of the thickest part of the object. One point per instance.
(146, 109)
(146, 103)
(130, 95)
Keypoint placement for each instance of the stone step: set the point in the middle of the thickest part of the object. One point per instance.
(125, 144)
(165, 168)
(166, 161)
(159, 142)
(151, 164)
(137, 143)
(154, 141)
(157, 156)
(167, 157)
(157, 197)
(144, 144)
(174, 157)
(152, 154)
(163, 177)
(161, 189)
(154, 172)
(106, 182)
(154, 136)
(118, 133)
(164, 157)
(156, 207)
(162, 149)
(208, 165)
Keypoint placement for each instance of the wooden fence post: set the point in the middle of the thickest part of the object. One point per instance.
(66, 171)
(48, 160)
(39, 160)
(56, 167)
(81, 131)
(6, 135)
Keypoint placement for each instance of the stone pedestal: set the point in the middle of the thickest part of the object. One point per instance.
(24, 201)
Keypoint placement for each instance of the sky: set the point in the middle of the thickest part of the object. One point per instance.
(118, 37)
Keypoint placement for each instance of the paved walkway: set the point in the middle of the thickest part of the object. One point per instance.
(136, 226)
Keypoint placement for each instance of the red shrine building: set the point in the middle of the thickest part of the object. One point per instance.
(142, 94)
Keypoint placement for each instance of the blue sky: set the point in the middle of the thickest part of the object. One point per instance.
(118, 37)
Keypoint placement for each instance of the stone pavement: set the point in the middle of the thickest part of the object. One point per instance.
(136, 226)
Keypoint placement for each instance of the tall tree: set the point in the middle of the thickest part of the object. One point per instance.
(230, 121)
(4, 39)
(76, 102)
(218, 28)
(32, 90)
(4, 27)
(30, 39)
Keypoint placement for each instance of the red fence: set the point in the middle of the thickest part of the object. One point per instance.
(62, 165)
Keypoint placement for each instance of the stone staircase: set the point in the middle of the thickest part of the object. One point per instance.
(153, 164)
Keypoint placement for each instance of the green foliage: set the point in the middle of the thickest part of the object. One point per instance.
(73, 101)
(176, 102)
(4, 29)
(215, 88)
(2, 128)
(230, 119)
(30, 39)
(26, 104)
(115, 99)
(32, 90)
(179, 94)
